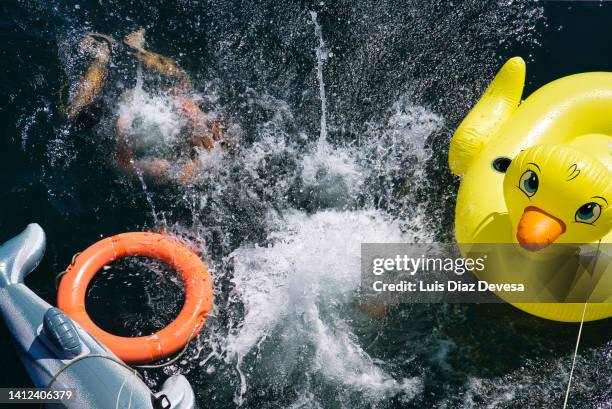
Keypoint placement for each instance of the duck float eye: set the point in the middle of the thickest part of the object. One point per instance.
(588, 213)
(529, 183)
(501, 164)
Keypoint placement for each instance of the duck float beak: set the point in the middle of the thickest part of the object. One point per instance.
(538, 229)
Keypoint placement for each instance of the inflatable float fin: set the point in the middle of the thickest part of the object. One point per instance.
(496, 105)
(21, 254)
(176, 392)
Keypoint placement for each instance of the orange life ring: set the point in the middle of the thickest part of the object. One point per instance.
(136, 350)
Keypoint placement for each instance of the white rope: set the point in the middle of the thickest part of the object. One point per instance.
(125, 378)
(569, 382)
(571, 375)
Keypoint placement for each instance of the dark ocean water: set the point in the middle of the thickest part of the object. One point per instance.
(397, 77)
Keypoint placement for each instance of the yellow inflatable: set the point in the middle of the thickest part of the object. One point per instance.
(538, 172)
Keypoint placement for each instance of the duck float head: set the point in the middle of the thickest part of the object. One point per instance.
(557, 194)
(538, 172)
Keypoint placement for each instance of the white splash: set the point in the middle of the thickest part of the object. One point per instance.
(148, 120)
(332, 170)
(294, 291)
(322, 55)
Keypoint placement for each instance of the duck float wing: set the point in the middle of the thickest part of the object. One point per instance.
(496, 105)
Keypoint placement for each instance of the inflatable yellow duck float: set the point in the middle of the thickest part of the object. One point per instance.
(537, 173)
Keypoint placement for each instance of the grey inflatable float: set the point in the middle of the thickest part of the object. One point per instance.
(59, 354)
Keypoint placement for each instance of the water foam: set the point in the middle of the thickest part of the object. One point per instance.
(295, 291)
(151, 118)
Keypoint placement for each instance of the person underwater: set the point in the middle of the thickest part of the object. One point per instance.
(202, 132)
(199, 131)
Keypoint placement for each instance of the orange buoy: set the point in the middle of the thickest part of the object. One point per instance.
(192, 271)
